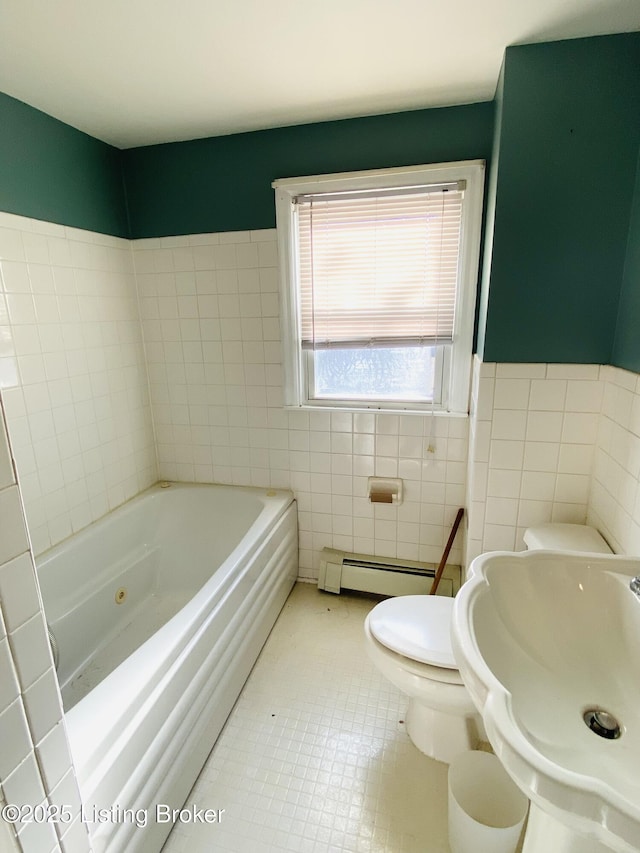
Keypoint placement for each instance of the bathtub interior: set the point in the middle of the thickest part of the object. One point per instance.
(206, 571)
(110, 589)
(141, 736)
(113, 619)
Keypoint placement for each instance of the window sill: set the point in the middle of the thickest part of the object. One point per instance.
(376, 410)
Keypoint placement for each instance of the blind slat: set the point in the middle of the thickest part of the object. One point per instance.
(378, 269)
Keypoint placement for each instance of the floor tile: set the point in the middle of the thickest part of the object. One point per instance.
(314, 757)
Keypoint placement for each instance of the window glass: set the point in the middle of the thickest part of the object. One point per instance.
(375, 373)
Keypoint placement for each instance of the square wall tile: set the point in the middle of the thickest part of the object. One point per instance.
(544, 426)
(75, 839)
(30, 645)
(43, 706)
(509, 424)
(53, 756)
(584, 396)
(13, 533)
(501, 483)
(498, 537)
(9, 688)
(506, 454)
(538, 485)
(502, 511)
(35, 836)
(548, 395)
(541, 456)
(580, 428)
(15, 738)
(511, 393)
(24, 784)
(6, 467)
(18, 591)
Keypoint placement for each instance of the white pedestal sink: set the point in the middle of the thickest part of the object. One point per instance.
(543, 640)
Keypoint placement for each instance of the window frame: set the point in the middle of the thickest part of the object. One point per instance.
(455, 357)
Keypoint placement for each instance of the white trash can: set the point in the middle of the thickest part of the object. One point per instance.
(486, 808)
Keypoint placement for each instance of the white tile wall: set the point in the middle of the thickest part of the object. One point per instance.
(210, 313)
(74, 388)
(35, 754)
(533, 431)
(544, 442)
(72, 374)
(614, 507)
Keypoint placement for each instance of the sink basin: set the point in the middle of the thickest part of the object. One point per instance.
(541, 639)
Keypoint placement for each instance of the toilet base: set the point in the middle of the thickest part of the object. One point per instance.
(440, 735)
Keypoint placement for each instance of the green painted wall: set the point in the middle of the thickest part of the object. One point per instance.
(224, 183)
(626, 350)
(562, 265)
(569, 141)
(53, 172)
(491, 191)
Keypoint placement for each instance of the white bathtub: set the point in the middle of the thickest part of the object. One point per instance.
(159, 612)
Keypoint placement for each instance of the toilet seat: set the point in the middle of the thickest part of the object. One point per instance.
(413, 668)
(400, 635)
(416, 627)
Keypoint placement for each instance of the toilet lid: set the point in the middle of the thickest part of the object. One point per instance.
(416, 626)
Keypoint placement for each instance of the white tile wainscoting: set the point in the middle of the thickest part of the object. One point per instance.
(75, 375)
(553, 442)
(72, 374)
(614, 500)
(35, 763)
(76, 370)
(210, 314)
(112, 352)
(533, 432)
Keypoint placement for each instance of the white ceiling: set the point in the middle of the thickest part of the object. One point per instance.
(136, 72)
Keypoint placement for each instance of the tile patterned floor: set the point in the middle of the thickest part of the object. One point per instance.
(314, 757)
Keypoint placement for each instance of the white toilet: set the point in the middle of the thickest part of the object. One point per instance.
(408, 639)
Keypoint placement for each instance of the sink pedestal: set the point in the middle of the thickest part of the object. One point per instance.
(544, 833)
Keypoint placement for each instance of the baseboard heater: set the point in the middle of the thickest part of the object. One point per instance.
(384, 576)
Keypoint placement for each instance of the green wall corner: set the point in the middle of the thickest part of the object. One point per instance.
(569, 141)
(53, 172)
(626, 350)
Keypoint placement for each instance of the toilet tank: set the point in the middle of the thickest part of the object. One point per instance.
(566, 537)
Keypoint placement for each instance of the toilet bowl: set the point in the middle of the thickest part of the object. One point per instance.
(408, 640)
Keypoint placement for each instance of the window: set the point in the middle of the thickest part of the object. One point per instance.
(379, 274)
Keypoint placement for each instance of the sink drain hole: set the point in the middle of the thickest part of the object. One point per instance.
(602, 723)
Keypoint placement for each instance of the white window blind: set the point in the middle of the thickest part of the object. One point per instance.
(380, 267)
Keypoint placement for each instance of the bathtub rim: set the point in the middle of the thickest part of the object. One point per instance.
(43, 559)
